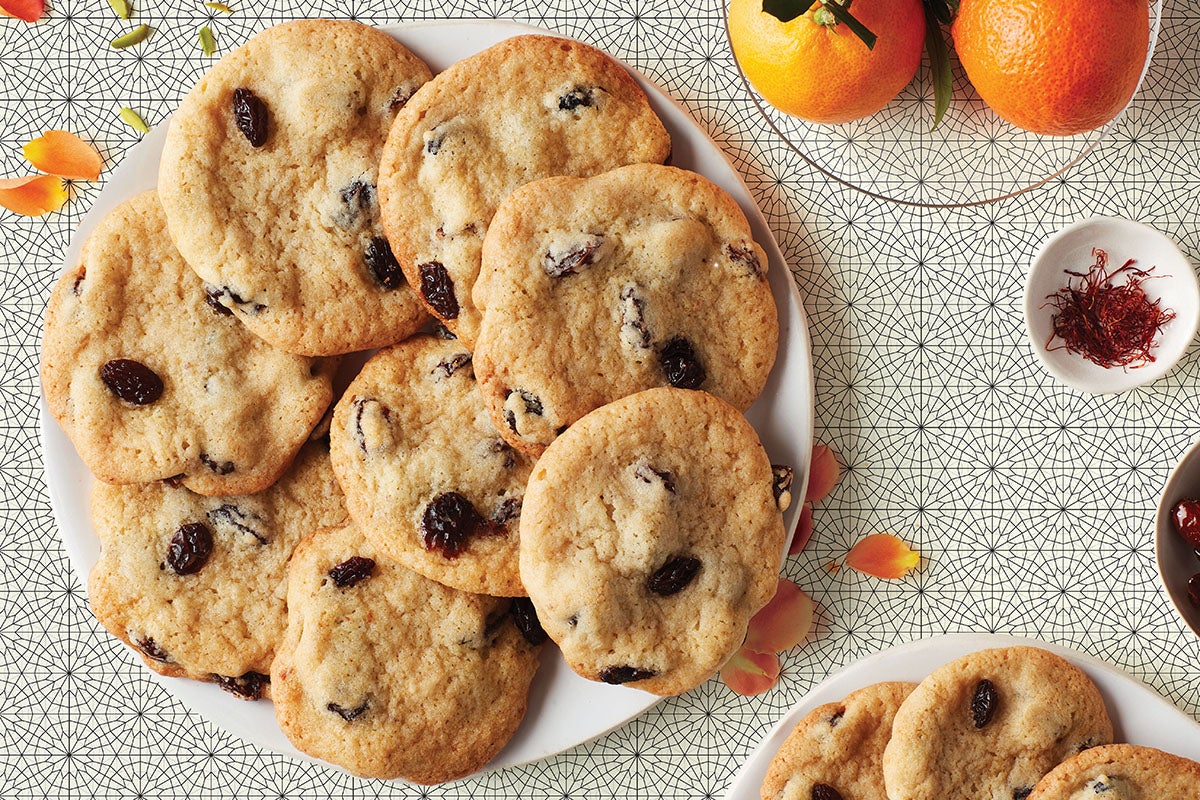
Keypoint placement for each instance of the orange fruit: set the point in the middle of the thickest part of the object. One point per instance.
(1056, 67)
(817, 69)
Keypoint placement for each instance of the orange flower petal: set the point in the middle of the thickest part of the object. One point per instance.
(34, 195)
(823, 475)
(28, 10)
(749, 673)
(803, 532)
(883, 555)
(64, 154)
(782, 623)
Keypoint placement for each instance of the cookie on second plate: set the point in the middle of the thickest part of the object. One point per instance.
(388, 674)
(527, 108)
(593, 289)
(197, 585)
(838, 746)
(651, 533)
(1121, 772)
(151, 377)
(991, 724)
(427, 477)
(269, 175)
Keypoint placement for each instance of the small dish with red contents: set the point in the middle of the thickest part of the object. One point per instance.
(1110, 304)
(1177, 537)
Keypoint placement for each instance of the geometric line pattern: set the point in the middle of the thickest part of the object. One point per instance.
(1032, 505)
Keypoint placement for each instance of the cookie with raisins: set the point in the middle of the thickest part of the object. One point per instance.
(196, 584)
(1121, 772)
(269, 180)
(427, 477)
(530, 107)
(651, 533)
(838, 746)
(391, 675)
(991, 724)
(152, 378)
(593, 289)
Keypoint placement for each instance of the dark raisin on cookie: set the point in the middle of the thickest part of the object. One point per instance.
(248, 687)
(440, 331)
(578, 97)
(241, 521)
(1021, 792)
(400, 97)
(438, 289)
(175, 481)
(527, 622)
(673, 576)
(348, 714)
(647, 473)
(219, 467)
(984, 703)
(781, 483)
(190, 548)
(836, 718)
(216, 294)
(132, 381)
(505, 449)
(508, 510)
(745, 256)
(680, 364)
(79, 276)
(557, 265)
(151, 649)
(358, 197)
(823, 791)
(624, 673)
(382, 263)
(452, 365)
(433, 145)
(532, 405)
(352, 571)
(634, 331)
(212, 296)
(449, 522)
(250, 114)
(360, 406)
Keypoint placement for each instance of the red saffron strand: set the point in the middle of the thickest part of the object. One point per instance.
(1108, 324)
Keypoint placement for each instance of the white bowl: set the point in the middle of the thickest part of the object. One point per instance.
(1176, 559)
(1172, 280)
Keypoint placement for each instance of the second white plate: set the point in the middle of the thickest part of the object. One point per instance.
(1139, 714)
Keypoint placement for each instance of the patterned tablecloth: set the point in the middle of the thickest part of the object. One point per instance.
(1032, 505)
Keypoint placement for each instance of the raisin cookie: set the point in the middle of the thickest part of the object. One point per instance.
(838, 746)
(197, 584)
(426, 475)
(651, 534)
(151, 377)
(593, 289)
(989, 725)
(388, 674)
(268, 177)
(527, 108)
(1121, 772)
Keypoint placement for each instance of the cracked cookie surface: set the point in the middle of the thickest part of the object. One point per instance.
(593, 289)
(269, 175)
(529, 107)
(152, 378)
(389, 674)
(427, 477)
(650, 535)
(989, 725)
(197, 585)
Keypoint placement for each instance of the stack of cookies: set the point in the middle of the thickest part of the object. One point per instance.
(1003, 724)
(548, 440)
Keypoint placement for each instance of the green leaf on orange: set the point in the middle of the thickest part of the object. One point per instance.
(939, 66)
(787, 10)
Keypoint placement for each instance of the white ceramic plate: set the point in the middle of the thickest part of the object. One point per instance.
(565, 710)
(1139, 714)
(1172, 281)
